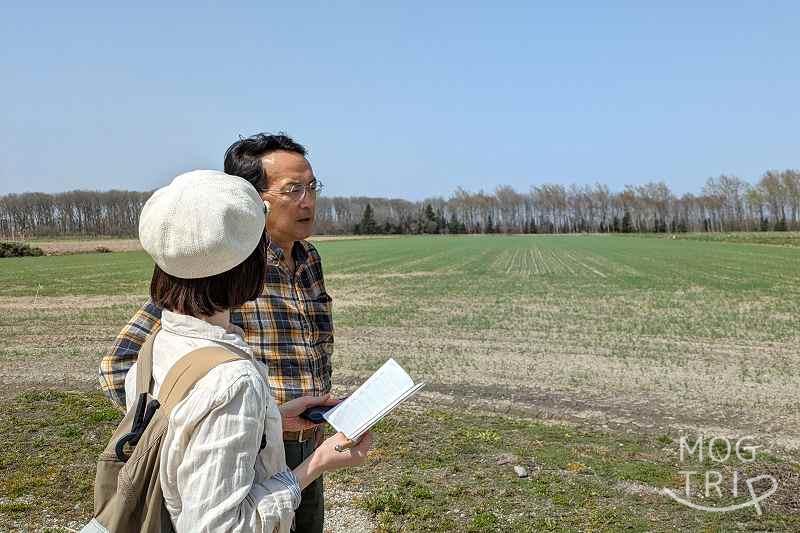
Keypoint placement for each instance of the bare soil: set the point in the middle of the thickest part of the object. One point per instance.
(547, 376)
(63, 247)
(81, 247)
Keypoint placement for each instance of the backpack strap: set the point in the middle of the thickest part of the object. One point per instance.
(183, 375)
(189, 370)
(178, 382)
(144, 372)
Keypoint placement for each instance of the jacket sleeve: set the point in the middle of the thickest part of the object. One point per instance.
(216, 477)
(115, 365)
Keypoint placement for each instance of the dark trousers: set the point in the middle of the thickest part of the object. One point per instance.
(310, 516)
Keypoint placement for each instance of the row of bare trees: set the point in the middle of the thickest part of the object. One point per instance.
(70, 213)
(725, 203)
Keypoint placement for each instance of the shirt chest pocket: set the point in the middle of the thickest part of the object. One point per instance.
(319, 310)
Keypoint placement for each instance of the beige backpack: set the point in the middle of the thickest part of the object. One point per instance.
(127, 490)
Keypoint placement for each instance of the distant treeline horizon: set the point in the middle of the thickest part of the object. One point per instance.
(725, 203)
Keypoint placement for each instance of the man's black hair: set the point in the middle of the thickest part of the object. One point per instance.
(243, 158)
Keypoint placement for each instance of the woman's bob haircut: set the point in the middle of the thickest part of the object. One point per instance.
(207, 296)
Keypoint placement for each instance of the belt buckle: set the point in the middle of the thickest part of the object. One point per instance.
(307, 434)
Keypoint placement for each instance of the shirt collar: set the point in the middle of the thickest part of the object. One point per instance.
(299, 252)
(189, 326)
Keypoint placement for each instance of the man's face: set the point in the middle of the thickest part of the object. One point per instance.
(289, 219)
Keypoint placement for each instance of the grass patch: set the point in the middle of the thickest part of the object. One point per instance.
(434, 472)
(431, 470)
(14, 508)
(49, 444)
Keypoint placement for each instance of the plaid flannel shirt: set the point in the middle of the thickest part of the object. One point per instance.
(289, 326)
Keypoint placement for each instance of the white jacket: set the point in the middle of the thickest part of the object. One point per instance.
(214, 475)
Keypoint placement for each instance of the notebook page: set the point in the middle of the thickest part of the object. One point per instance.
(363, 429)
(380, 391)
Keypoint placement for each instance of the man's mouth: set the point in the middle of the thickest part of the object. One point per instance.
(304, 220)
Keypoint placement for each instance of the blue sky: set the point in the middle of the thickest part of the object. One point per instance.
(406, 99)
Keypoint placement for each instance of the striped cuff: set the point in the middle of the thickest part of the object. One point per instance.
(288, 478)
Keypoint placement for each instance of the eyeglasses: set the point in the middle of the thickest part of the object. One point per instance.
(297, 191)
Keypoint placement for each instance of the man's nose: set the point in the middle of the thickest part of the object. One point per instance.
(308, 199)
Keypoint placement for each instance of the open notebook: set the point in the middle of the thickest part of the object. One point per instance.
(375, 398)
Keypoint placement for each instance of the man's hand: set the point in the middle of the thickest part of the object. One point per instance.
(290, 411)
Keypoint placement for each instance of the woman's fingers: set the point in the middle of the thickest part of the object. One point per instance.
(362, 447)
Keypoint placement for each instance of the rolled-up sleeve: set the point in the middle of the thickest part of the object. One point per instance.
(115, 365)
(218, 485)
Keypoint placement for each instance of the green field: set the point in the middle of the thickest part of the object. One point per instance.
(775, 238)
(585, 356)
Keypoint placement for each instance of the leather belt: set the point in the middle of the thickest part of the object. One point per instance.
(302, 435)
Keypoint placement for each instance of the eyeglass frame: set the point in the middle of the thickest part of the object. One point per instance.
(318, 187)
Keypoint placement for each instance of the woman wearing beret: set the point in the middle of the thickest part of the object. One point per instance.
(222, 461)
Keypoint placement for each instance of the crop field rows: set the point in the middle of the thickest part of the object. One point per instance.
(623, 334)
(594, 318)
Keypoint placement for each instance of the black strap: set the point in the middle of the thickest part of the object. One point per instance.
(144, 413)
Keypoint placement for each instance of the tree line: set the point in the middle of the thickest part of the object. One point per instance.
(725, 203)
(36, 214)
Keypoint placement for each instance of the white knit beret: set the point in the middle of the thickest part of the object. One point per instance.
(203, 223)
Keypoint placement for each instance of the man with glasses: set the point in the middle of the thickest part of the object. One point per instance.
(289, 325)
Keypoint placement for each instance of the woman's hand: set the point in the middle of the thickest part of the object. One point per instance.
(326, 458)
(351, 454)
(290, 411)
